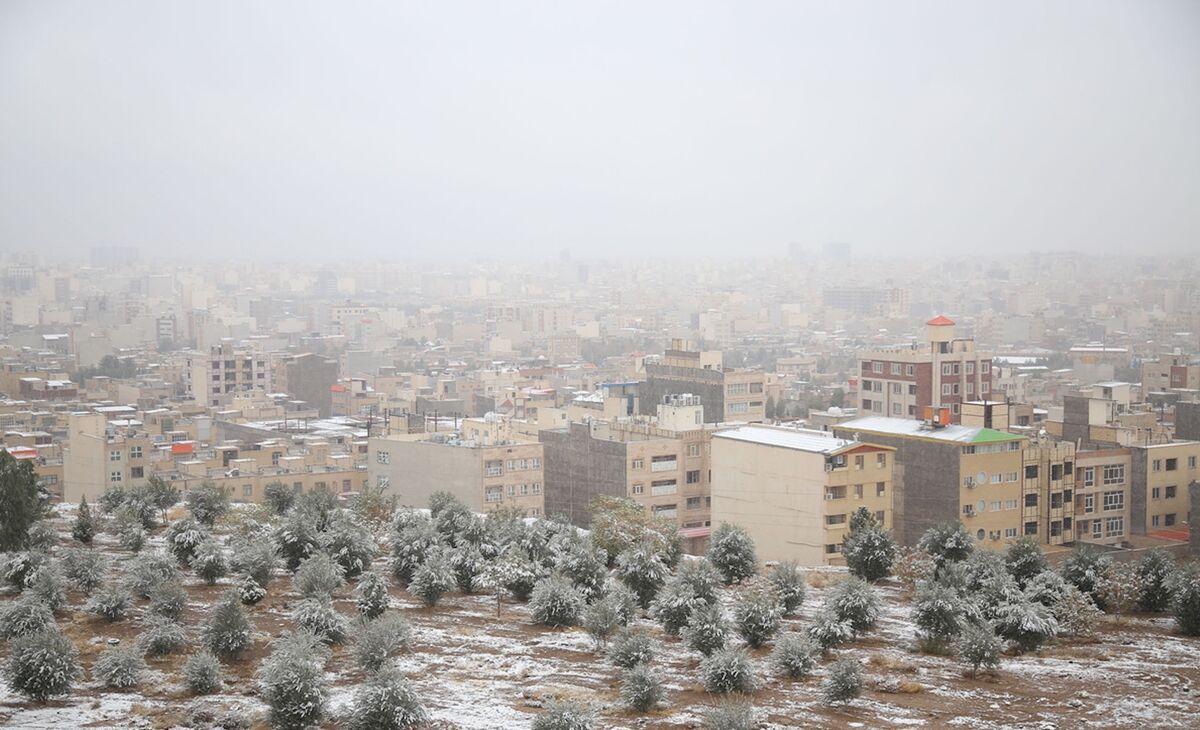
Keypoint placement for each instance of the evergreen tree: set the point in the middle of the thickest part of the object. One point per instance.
(1185, 600)
(564, 715)
(227, 631)
(674, 604)
(42, 665)
(706, 630)
(24, 616)
(641, 688)
(183, 537)
(939, 613)
(161, 494)
(555, 602)
(789, 583)
(148, 570)
(256, 558)
(643, 570)
(855, 602)
(829, 631)
(468, 565)
(1076, 613)
(318, 576)
(207, 503)
(250, 592)
(279, 497)
(386, 701)
(120, 667)
(168, 599)
(350, 545)
(731, 716)
(48, 587)
(732, 553)
(947, 542)
(433, 579)
(202, 673)
(372, 592)
(843, 683)
(585, 564)
(209, 562)
(297, 539)
(21, 502)
(795, 656)
(757, 615)
(1155, 573)
(979, 647)
(1026, 623)
(601, 619)
(1084, 568)
(727, 670)
(375, 641)
(1119, 588)
(869, 549)
(84, 527)
(411, 542)
(319, 617)
(160, 635)
(291, 681)
(1024, 560)
(84, 569)
(630, 648)
(111, 602)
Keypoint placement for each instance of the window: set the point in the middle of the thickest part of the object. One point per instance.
(1156, 521)
(877, 387)
(1097, 529)
(835, 492)
(693, 449)
(877, 367)
(382, 481)
(858, 491)
(866, 404)
(1089, 503)
(877, 406)
(954, 368)
(896, 368)
(835, 519)
(880, 460)
(535, 463)
(897, 409)
(738, 407)
(537, 487)
(1068, 467)
(1056, 472)
(382, 457)
(737, 388)
(663, 463)
(1155, 493)
(1114, 501)
(1169, 492)
(954, 389)
(879, 516)
(512, 465)
(638, 464)
(1010, 477)
(524, 490)
(493, 468)
(997, 478)
(1115, 526)
(1172, 464)
(693, 503)
(1089, 476)
(665, 510)
(663, 487)
(512, 490)
(247, 490)
(693, 476)
(638, 489)
(1169, 520)
(985, 367)
(1031, 528)
(135, 452)
(1010, 504)
(908, 370)
(1010, 532)
(912, 390)
(1055, 529)
(1157, 465)
(275, 456)
(946, 368)
(114, 476)
(995, 506)
(1031, 471)
(833, 548)
(1114, 474)
(859, 461)
(114, 456)
(897, 388)
(945, 389)
(137, 472)
(1031, 500)
(970, 387)
(970, 368)
(880, 489)
(492, 494)
(1056, 500)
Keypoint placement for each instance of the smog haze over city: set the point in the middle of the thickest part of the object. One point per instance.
(599, 366)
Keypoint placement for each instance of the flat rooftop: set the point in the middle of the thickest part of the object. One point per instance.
(919, 429)
(787, 438)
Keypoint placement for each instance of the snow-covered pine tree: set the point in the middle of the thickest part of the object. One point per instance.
(641, 688)
(732, 553)
(727, 670)
(1024, 559)
(788, 581)
(794, 656)
(843, 683)
(371, 594)
(707, 629)
(84, 527)
(42, 665)
(642, 569)
(202, 673)
(555, 602)
(226, 632)
(979, 647)
(757, 615)
(386, 701)
(1155, 573)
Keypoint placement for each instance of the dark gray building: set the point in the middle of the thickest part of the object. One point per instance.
(309, 378)
(577, 467)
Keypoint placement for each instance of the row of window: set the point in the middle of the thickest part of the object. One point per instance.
(1110, 474)
(1171, 464)
(135, 452)
(496, 493)
(1111, 502)
(835, 520)
(1164, 492)
(839, 492)
(997, 478)
(983, 505)
(1165, 521)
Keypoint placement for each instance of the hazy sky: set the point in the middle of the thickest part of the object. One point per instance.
(500, 128)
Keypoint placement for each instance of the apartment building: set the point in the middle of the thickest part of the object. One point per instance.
(944, 372)
(662, 464)
(794, 490)
(310, 378)
(227, 369)
(728, 395)
(1102, 491)
(1048, 478)
(485, 477)
(1160, 503)
(1171, 371)
(955, 472)
(100, 454)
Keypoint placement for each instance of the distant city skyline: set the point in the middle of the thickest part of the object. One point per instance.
(434, 131)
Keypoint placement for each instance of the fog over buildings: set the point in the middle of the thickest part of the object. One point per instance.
(574, 366)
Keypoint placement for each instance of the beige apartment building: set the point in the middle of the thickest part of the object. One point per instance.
(503, 473)
(944, 372)
(1171, 371)
(100, 454)
(733, 395)
(794, 490)
(1160, 504)
(227, 369)
(1102, 487)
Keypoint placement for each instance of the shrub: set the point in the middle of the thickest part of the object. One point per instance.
(41, 536)
(795, 656)
(630, 648)
(757, 616)
(674, 604)
(372, 595)
(21, 502)
(84, 528)
(1076, 613)
(555, 602)
(318, 576)
(516, 573)
(868, 548)
(250, 592)
(130, 535)
(433, 579)
(913, 566)
(584, 564)
(732, 553)
(1084, 567)
(1118, 588)
(279, 497)
(48, 587)
(727, 670)
(619, 523)
(297, 539)
(209, 562)
(412, 541)
(24, 616)
(112, 498)
(706, 630)
(439, 501)
(375, 641)
(227, 632)
(829, 631)
(601, 619)
(111, 602)
(19, 568)
(731, 716)
(160, 494)
(1185, 600)
(291, 681)
(642, 569)
(386, 702)
(843, 683)
(1047, 588)
(84, 569)
(1024, 560)
(564, 715)
(202, 673)
(979, 647)
(318, 616)
(468, 565)
(1154, 575)
(207, 503)
(947, 542)
(257, 558)
(700, 575)
(43, 665)
(183, 537)
(939, 613)
(855, 602)
(623, 598)
(160, 635)
(641, 689)
(788, 582)
(119, 667)
(168, 599)
(148, 570)
(350, 545)
(319, 505)
(452, 521)
(1025, 623)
